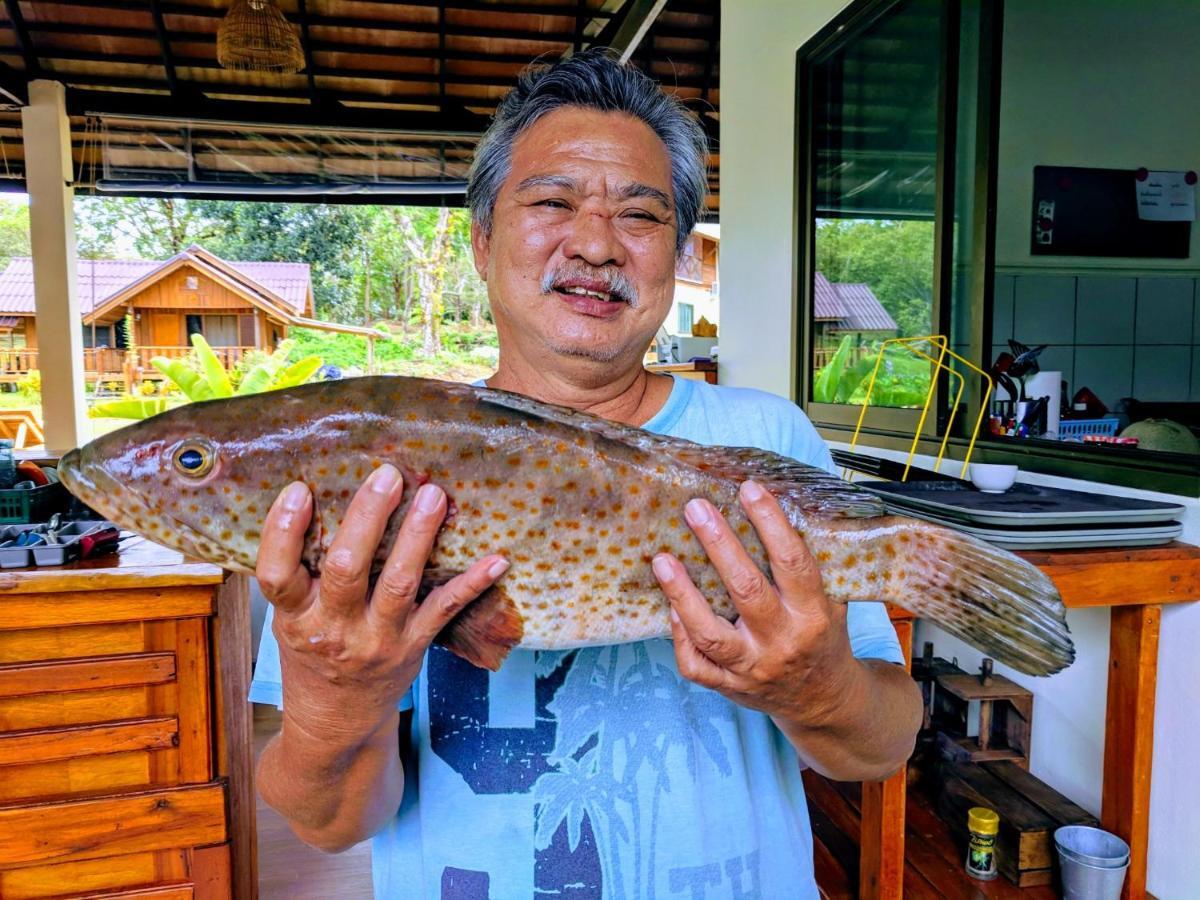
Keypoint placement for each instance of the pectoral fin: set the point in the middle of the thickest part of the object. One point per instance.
(484, 632)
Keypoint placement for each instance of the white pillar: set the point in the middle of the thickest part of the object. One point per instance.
(48, 178)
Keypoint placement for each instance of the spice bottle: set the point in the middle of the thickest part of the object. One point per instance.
(982, 825)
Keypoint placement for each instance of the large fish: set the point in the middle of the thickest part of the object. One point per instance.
(577, 504)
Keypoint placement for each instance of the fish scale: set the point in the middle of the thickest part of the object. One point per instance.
(577, 504)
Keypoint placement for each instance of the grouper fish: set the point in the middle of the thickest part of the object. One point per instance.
(578, 505)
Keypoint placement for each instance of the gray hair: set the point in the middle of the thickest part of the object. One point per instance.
(595, 80)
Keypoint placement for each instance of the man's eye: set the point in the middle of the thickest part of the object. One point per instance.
(553, 204)
(642, 215)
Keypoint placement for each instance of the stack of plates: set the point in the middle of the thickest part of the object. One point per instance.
(1032, 517)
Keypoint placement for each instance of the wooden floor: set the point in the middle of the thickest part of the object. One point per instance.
(933, 869)
(288, 869)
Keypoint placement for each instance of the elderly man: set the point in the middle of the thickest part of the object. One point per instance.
(653, 769)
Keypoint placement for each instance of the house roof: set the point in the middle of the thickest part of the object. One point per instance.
(284, 286)
(863, 311)
(849, 307)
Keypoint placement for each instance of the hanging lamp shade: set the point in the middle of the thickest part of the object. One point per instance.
(254, 36)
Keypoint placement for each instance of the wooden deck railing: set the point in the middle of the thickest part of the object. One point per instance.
(109, 363)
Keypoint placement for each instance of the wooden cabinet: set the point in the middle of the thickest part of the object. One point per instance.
(124, 730)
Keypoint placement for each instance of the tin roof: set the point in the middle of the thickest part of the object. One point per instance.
(101, 279)
(849, 307)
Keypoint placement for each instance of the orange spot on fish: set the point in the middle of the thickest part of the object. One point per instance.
(850, 561)
(413, 444)
(542, 464)
(500, 516)
(823, 556)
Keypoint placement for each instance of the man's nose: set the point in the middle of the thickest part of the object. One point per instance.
(594, 239)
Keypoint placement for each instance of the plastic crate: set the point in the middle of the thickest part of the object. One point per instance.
(33, 505)
(1077, 428)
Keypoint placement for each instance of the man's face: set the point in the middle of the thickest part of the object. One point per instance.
(580, 263)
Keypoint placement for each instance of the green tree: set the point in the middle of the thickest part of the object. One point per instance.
(14, 230)
(152, 227)
(327, 237)
(894, 258)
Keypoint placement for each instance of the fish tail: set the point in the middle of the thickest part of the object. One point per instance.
(993, 600)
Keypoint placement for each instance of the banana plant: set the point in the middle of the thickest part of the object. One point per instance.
(212, 381)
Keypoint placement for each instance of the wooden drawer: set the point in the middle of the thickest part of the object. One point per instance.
(201, 873)
(73, 830)
(77, 721)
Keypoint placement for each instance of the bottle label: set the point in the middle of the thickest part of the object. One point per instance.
(981, 854)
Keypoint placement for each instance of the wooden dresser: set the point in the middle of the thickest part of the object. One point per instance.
(124, 730)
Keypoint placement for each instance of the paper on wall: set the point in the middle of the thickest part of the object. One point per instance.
(1166, 197)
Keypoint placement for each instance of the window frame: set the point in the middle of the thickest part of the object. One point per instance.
(894, 428)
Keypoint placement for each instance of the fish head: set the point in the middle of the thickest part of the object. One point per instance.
(191, 478)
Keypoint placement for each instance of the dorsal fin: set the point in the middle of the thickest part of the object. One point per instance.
(807, 487)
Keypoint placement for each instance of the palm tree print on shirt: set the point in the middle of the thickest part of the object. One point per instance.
(622, 719)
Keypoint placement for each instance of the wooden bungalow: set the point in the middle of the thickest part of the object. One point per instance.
(237, 306)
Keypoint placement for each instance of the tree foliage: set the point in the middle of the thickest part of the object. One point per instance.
(894, 258)
(14, 230)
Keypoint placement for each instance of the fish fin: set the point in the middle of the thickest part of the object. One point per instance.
(808, 488)
(485, 632)
(993, 600)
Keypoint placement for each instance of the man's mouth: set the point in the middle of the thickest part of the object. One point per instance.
(588, 292)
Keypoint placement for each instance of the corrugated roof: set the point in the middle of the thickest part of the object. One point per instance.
(826, 302)
(101, 279)
(862, 309)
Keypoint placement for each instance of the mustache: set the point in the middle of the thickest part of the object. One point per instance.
(616, 284)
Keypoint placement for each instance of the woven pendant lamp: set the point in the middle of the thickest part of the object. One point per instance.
(254, 36)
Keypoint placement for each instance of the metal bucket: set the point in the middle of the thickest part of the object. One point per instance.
(1093, 863)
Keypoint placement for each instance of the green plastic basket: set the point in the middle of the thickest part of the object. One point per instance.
(33, 505)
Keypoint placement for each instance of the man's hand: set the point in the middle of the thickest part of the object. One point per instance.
(788, 654)
(349, 653)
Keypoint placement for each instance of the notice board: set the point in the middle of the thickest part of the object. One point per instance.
(1093, 212)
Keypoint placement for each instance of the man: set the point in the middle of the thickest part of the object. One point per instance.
(654, 769)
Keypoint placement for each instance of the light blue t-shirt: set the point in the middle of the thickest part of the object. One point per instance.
(602, 772)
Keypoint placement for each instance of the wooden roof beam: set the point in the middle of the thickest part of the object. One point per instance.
(473, 6)
(17, 20)
(624, 33)
(144, 106)
(306, 45)
(164, 46)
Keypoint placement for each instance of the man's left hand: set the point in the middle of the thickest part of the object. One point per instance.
(788, 654)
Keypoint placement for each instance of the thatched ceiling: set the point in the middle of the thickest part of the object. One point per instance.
(432, 70)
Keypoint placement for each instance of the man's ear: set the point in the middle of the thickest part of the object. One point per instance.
(481, 249)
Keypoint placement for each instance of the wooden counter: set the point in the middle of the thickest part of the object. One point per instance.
(124, 730)
(698, 371)
(1135, 584)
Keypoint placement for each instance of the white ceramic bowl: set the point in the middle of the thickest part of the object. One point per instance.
(992, 478)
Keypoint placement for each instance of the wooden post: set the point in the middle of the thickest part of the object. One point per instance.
(48, 177)
(1129, 735)
(370, 355)
(235, 738)
(881, 860)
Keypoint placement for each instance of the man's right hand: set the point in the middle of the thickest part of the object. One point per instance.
(349, 653)
(347, 658)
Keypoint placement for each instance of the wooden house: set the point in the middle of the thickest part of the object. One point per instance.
(237, 306)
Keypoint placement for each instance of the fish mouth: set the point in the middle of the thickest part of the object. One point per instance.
(94, 485)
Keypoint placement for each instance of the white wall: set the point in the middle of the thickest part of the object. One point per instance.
(759, 41)
(1095, 83)
(758, 54)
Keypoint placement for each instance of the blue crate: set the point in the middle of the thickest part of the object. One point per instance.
(1078, 428)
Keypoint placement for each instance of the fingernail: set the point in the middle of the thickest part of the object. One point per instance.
(428, 498)
(383, 480)
(697, 512)
(498, 568)
(753, 491)
(295, 495)
(663, 569)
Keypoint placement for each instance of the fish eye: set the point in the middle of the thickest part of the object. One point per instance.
(193, 459)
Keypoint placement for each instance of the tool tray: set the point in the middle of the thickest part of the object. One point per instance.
(63, 551)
